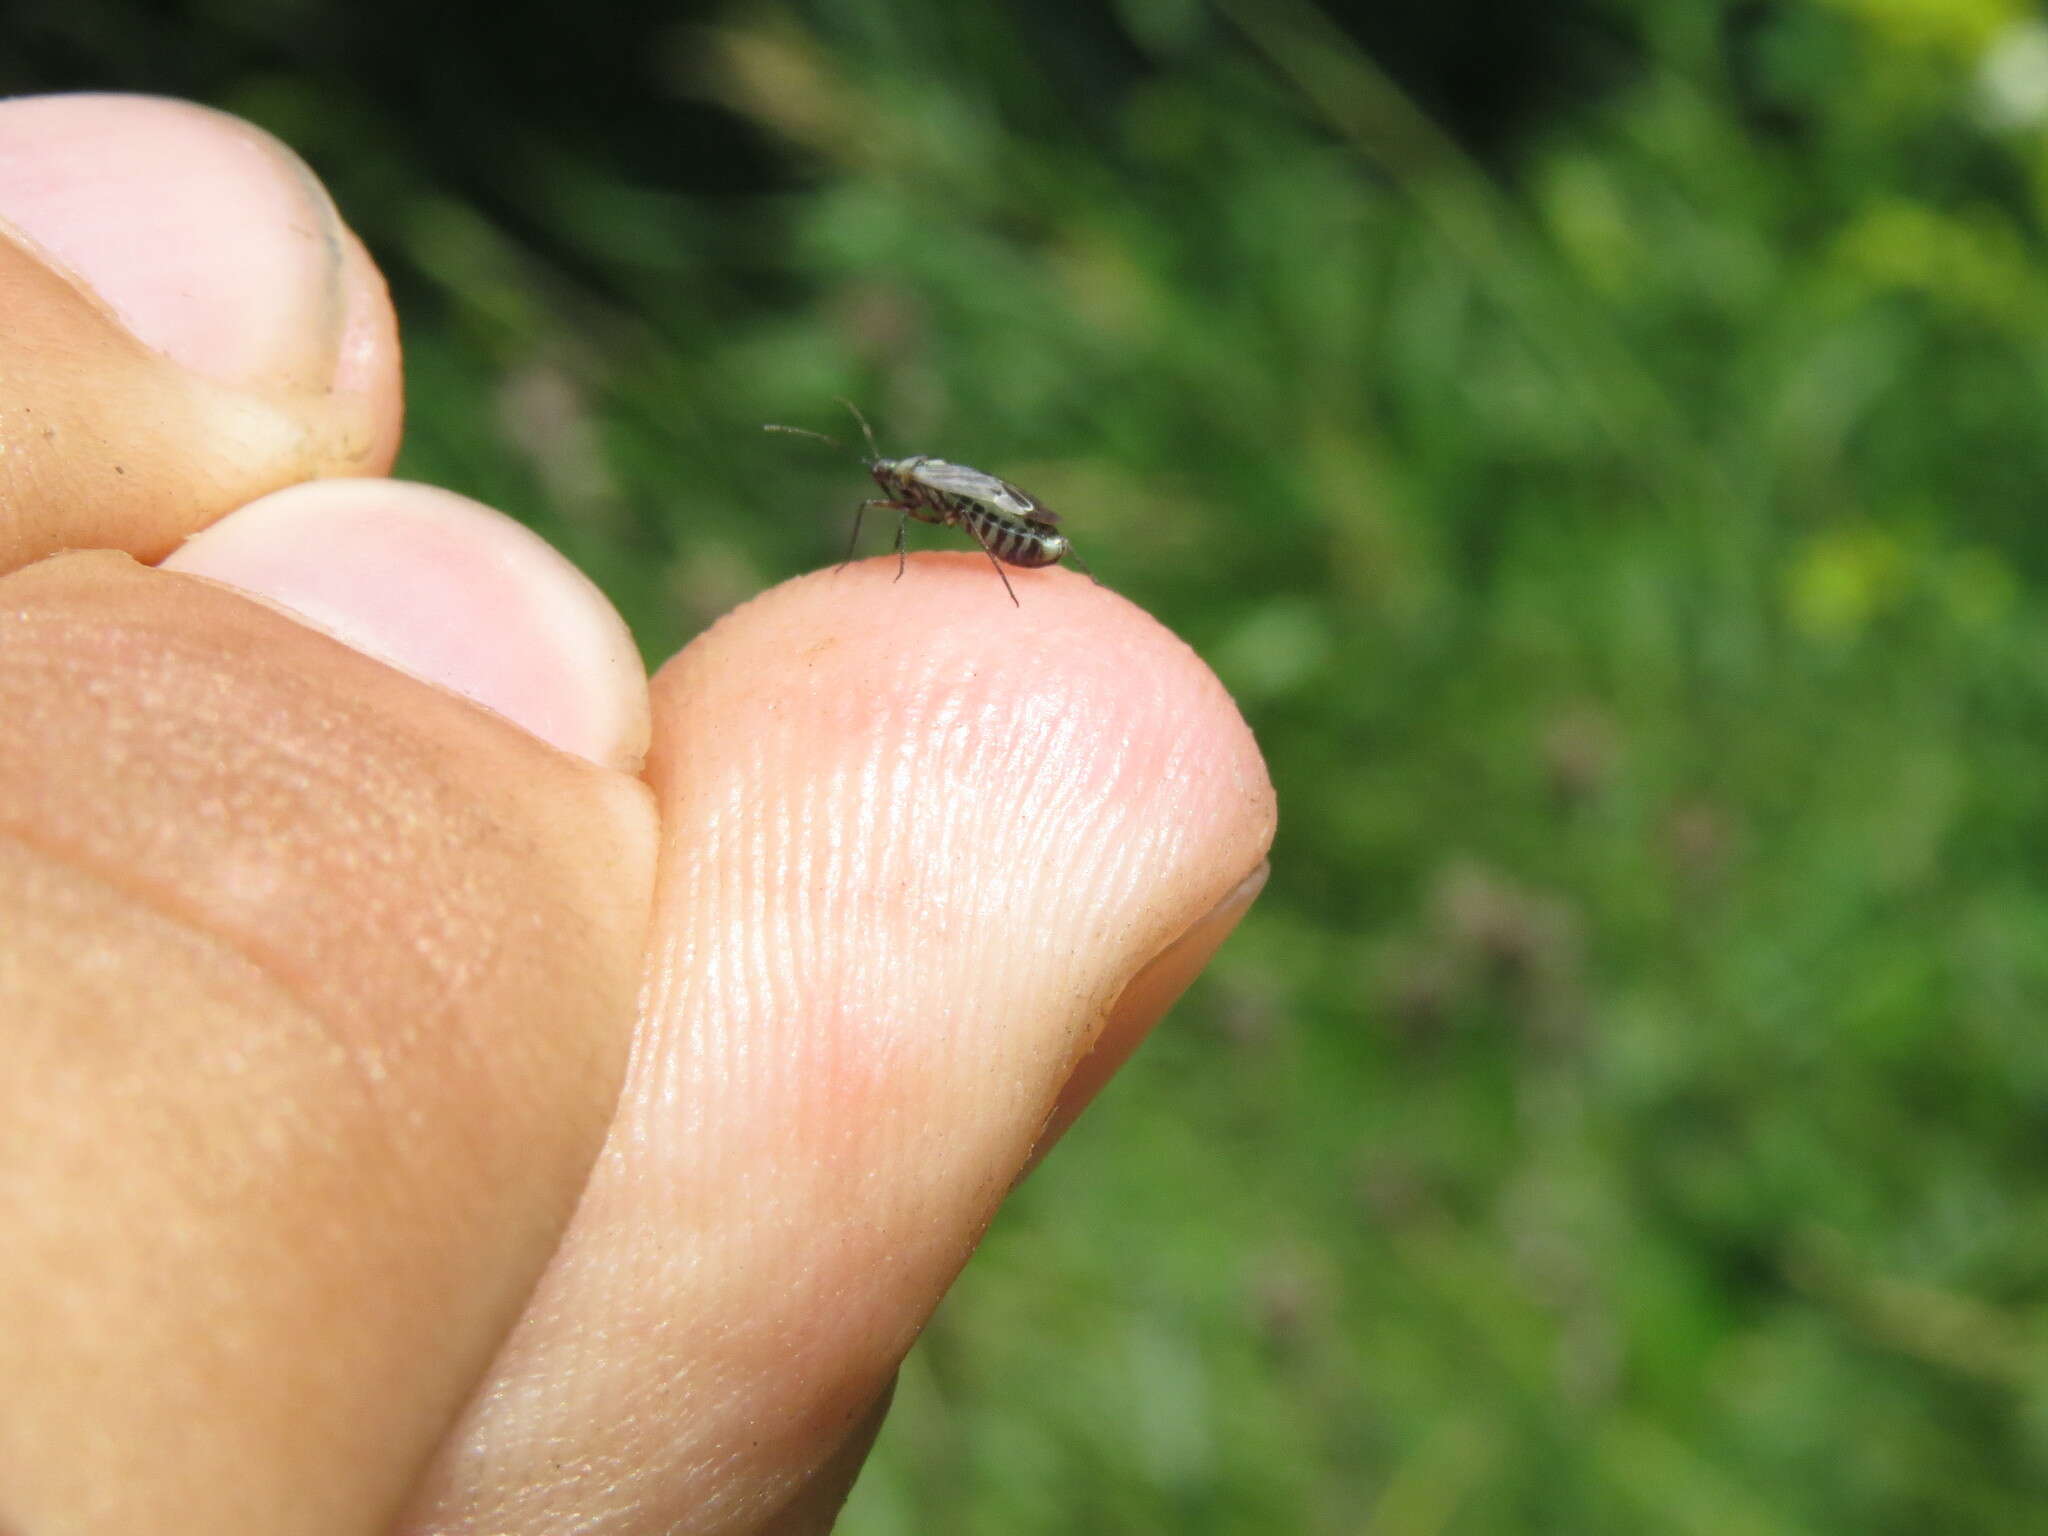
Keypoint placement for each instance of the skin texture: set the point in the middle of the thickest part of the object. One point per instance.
(457, 1086)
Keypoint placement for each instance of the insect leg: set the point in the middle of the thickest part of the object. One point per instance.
(1081, 565)
(992, 560)
(858, 513)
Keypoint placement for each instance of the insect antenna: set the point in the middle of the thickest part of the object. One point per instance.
(866, 431)
(770, 426)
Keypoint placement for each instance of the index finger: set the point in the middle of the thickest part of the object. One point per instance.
(189, 326)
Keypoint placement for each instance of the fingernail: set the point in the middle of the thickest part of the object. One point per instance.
(208, 239)
(448, 590)
(1145, 1001)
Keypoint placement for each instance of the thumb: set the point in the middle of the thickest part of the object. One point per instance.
(922, 854)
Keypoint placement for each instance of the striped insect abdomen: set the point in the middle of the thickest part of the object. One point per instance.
(1015, 541)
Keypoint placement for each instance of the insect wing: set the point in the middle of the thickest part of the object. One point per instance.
(959, 480)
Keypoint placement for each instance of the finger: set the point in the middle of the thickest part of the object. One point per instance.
(917, 844)
(314, 980)
(189, 325)
(449, 591)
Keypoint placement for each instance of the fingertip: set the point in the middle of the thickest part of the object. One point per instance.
(188, 325)
(1047, 815)
(449, 591)
(1068, 654)
(367, 362)
(210, 240)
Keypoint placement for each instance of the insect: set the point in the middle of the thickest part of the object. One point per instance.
(1011, 527)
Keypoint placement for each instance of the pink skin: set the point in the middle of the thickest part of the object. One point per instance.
(446, 590)
(517, 1138)
(192, 200)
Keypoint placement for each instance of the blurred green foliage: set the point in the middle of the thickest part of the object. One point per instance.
(1627, 1109)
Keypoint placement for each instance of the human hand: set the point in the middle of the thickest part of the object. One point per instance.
(422, 1116)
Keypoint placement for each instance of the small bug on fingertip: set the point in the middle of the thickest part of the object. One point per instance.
(1011, 526)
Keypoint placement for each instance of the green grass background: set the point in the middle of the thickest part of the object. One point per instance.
(1620, 516)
